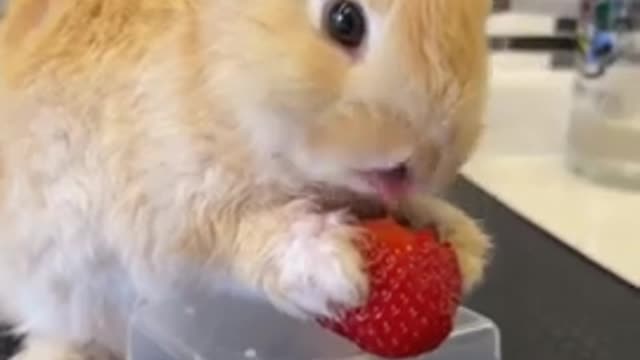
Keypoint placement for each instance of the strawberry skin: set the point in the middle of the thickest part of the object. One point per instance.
(415, 291)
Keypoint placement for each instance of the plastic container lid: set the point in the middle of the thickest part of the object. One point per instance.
(227, 327)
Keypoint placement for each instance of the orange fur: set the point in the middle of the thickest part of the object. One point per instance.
(149, 142)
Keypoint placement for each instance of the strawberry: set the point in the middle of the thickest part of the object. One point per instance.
(415, 291)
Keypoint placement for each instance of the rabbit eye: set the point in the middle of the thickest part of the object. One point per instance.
(345, 22)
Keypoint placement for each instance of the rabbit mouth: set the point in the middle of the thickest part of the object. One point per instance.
(361, 207)
(370, 192)
(384, 192)
(391, 185)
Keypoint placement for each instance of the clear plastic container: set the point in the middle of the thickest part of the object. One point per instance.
(226, 327)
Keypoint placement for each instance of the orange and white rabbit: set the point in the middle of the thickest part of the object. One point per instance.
(147, 144)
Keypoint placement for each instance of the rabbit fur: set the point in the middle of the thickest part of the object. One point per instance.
(149, 144)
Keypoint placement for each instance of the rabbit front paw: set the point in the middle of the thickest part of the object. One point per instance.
(470, 242)
(318, 266)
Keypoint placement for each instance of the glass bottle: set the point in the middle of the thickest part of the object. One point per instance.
(604, 131)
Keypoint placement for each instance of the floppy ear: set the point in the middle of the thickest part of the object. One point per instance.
(24, 17)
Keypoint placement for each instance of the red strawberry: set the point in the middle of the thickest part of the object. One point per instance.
(415, 292)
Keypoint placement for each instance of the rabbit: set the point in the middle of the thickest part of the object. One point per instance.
(150, 145)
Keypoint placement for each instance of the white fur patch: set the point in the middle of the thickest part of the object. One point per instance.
(319, 266)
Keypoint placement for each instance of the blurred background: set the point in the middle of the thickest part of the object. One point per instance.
(556, 179)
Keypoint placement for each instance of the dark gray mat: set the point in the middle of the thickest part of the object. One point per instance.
(549, 301)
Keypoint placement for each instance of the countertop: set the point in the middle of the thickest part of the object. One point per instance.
(521, 160)
(548, 301)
